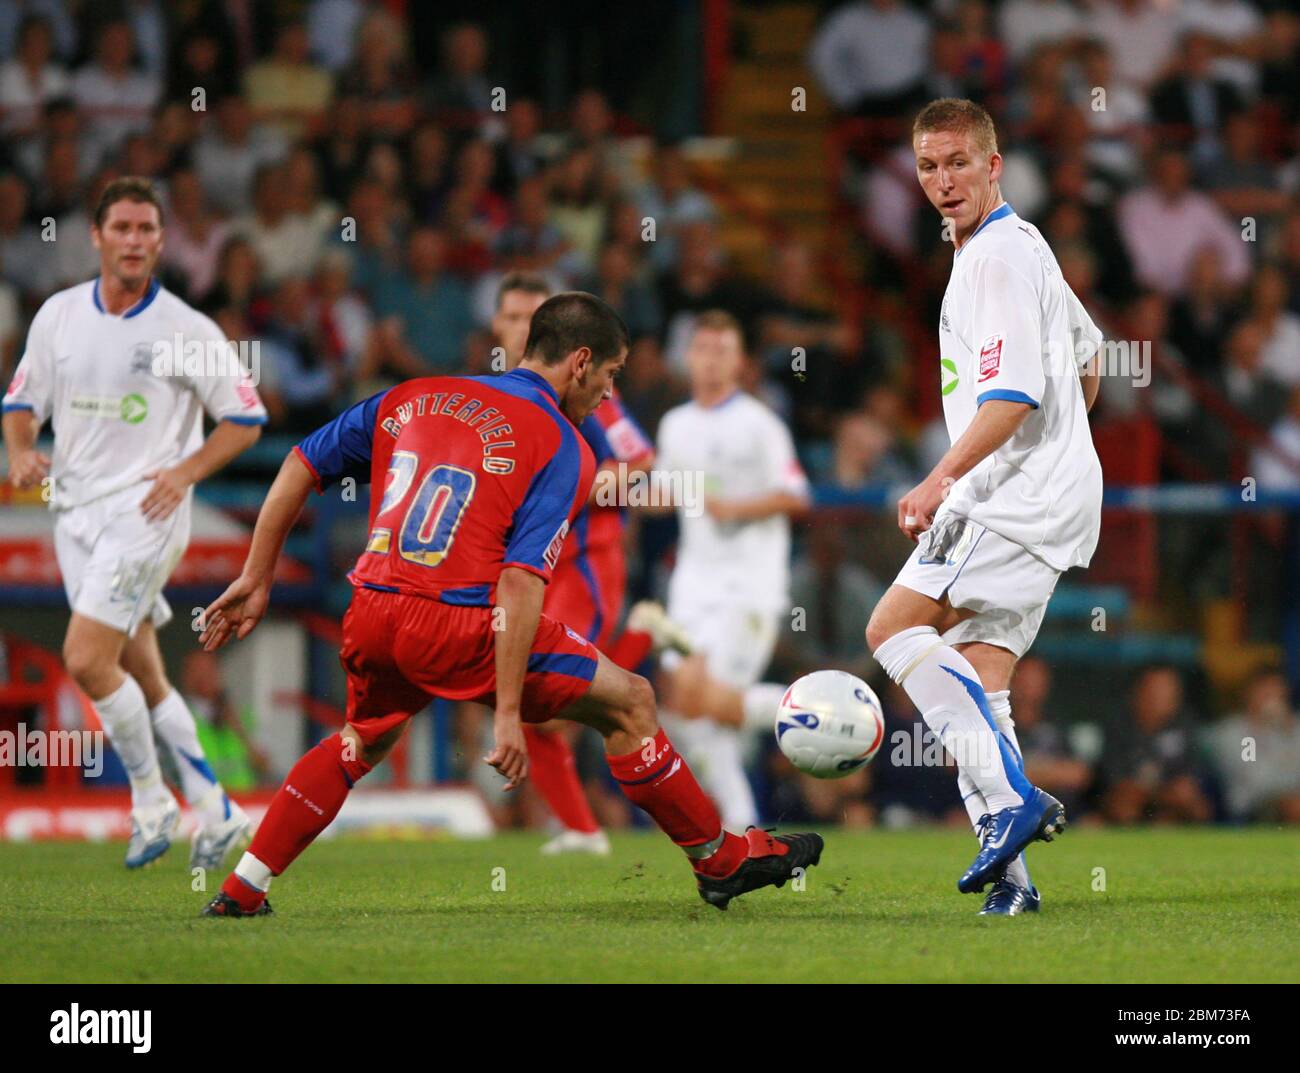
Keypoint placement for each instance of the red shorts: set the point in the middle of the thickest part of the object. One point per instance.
(400, 650)
(587, 592)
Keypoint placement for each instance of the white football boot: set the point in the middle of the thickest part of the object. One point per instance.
(152, 831)
(593, 842)
(212, 844)
(649, 616)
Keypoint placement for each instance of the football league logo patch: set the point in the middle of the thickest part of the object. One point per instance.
(990, 357)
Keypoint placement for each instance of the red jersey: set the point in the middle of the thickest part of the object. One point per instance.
(478, 473)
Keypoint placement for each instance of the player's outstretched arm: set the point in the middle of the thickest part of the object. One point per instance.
(514, 623)
(27, 466)
(995, 423)
(240, 608)
(228, 440)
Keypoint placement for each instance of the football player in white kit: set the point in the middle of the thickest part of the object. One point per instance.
(730, 585)
(124, 370)
(1014, 502)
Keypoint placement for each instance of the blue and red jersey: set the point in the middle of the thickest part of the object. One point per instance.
(478, 473)
(612, 434)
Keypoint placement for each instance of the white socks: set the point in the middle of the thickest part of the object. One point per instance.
(174, 724)
(948, 693)
(125, 718)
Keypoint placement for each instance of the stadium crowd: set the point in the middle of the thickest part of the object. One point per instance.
(351, 202)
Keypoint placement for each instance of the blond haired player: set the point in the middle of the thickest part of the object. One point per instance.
(1014, 502)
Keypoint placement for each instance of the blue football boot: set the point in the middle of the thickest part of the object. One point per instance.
(1008, 832)
(1006, 899)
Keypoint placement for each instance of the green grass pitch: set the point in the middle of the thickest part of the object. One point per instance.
(1212, 906)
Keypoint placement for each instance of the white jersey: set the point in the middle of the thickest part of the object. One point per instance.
(741, 450)
(124, 401)
(1011, 328)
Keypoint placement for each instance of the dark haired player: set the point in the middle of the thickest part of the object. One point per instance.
(481, 477)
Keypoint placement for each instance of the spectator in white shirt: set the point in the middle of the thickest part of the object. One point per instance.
(1025, 24)
(871, 56)
(229, 154)
(1141, 35)
(114, 99)
(30, 80)
(285, 242)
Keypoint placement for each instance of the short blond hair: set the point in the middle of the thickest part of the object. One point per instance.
(960, 116)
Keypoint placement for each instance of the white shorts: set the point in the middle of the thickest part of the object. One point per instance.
(737, 642)
(115, 562)
(1006, 586)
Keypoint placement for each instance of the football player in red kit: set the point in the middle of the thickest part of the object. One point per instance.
(590, 580)
(481, 478)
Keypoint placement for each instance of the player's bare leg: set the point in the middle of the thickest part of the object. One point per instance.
(621, 707)
(222, 825)
(554, 772)
(92, 653)
(904, 634)
(306, 803)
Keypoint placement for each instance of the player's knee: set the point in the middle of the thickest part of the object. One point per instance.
(879, 629)
(86, 667)
(639, 711)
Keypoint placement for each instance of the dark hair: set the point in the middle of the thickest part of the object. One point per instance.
(528, 282)
(128, 188)
(574, 319)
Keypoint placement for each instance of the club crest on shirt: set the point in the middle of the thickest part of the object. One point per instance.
(990, 357)
(142, 358)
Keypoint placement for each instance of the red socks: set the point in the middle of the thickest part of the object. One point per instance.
(554, 773)
(657, 779)
(309, 798)
(630, 649)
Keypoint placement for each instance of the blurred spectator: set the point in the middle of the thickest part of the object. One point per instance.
(1116, 114)
(1201, 317)
(10, 322)
(238, 272)
(308, 380)
(1279, 356)
(1277, 474)
(871, 56)
(20, 242)
(332, 31)
(830, 592)
(1050, 761)
(343, 149)
(672, 202)
(615, 281)
(461, 85)
(194, 237)
(288, 90)
(518, 157)
(1192, 103)
(1149, 760)
(531, 243)
(1025, 24)
(576, 210)
(1241, 181)
(380, 75)
(114, 99)
(1247, 385)
(1256, 753)
(30, 80)
(225, 734)
(1165, 223)
(699, 281)
(1236, 27)
(1140, 35)
(56, 13)
(432, 306)
(230, 153)
(864, 455)
(286, 242)
(204, 58)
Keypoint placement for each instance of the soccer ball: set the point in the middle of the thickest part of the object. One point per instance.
(829, 724)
